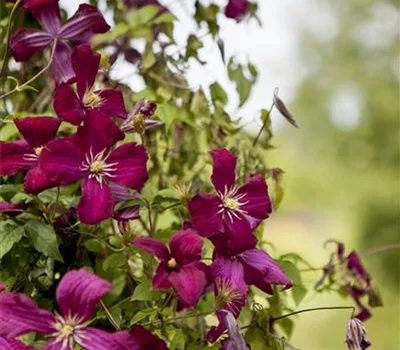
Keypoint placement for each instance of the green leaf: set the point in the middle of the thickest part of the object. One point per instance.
(255, 337)
(114, 260)
(178, 341)
(143, 291)
(141, 315)
(94, 245)
(166, 17)
(139, 17)
(43, 238)
(218, 94)
(10, 233)
(243, 83)
(299, 290)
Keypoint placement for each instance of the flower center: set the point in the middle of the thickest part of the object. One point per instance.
(231, 203)
(172, 264)
(227, 295)
(138, 123)
(38, 150)
(97, 166)
(91, 99)
(68, 330)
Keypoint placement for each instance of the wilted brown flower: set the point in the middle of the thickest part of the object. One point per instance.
(356, 335)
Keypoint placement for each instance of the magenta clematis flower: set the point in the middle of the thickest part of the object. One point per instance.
(24, 154)
(139, 118)
(180, 266)
(353, 279)
(230, 290)
(122, 193)
(86, 21)
(87, 155)
(73, 107)
(146, 339)
(77, 295)
(234, 210)
(237, 9)
(11, 209)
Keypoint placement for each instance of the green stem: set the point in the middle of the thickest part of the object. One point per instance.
(3, 65)
(109, 316)
(173, 319)
(19, 87)
(314, 309)
(109, 246)
(381, 249)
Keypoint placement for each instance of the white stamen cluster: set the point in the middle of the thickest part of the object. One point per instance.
(68, 331)
(231, 202)
(98, 166)
(34, 156)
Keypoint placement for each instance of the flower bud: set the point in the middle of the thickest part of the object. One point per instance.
(356, 335)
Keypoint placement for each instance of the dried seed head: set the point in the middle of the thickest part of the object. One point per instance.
(356, 335)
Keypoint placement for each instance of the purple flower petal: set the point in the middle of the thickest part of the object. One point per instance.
(67, 105)
(186, 246)
(60, 161)
(13, 344)
(96, 203)
(256, 199)
(96, 339)
(51, 345)
(85, 63)
(38, 131)
(121, 192)
(355, 265)
(34, 4)
(130, 168)
(61, 66)
(152, 246)
(237, 9)
(160, 279)
(10, 209)
(189, 283)
(261, 270)
(224, 165)
(113, 103)
(13, 157)
(47, 13)
(36, 181)
(25, 42)
(239, 236)
(86, 21)
(98, 133)
(23, 316)
(228, 275)
(215, 331)
(146, 339)
(204, 210)
(78, 293)
(126, 214)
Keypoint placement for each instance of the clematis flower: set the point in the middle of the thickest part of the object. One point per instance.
(237, 9)
(180, 266)
(24, 154)
(86, 21)
(234, 210)
(353, 278)
(230, 290)
(87, 155)
(122, 193)
(73, 107)
(77, 295)
(139, 118)
(146, 339)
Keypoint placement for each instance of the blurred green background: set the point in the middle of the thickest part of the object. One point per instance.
(342, 166)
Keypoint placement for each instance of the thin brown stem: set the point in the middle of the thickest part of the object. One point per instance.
(20, 87)
(109, 316)
(314, 309)
(381, 249)
(264, 124)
